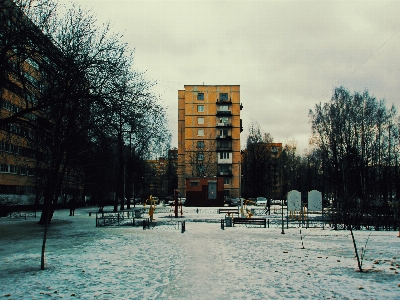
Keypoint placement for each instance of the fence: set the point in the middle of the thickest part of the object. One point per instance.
(118, 218)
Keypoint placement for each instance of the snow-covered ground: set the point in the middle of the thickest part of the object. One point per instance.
(204, 262)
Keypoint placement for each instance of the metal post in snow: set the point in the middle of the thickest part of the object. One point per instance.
(283, 224)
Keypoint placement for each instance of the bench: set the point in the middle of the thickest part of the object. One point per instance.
(22, 214)
(228, 211)
(250, 221)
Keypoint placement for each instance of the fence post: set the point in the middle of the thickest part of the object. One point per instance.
(183, 227)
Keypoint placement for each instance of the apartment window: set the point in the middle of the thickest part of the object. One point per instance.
(224, 155)
(200, 156)
(4, 146)
(31, 172)
(223, 120)
(224, 144)
(200, 108)
(200, 120)
(200, 132)
(223, 97)
(33, 63)
(227, 180)
(31, 79)
(23, 171)
(194, 183)
(4, 168)
(13, 169)
(223, 132)
(224, 108)
(200, 96)
(200, 169)
(224, 168)
(32, 98)
(200, 144)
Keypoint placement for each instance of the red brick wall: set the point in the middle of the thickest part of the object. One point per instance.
(198, 195)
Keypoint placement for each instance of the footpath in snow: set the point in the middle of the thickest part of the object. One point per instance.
(204, 262)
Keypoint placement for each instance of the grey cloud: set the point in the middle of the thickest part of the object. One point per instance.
(286, 55)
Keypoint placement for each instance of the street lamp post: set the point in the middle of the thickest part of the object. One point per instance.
(240, 178)
(283, 225)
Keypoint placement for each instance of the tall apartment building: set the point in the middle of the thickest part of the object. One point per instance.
(209, 128)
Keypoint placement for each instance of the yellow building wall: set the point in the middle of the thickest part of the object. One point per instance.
(188, 126)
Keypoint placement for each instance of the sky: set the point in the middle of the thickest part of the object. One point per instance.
(287, 56)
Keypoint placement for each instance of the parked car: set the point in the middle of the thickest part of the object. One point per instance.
(180, 200)
(236, 201)
(261, 201)
(135, 201)
(276, 202)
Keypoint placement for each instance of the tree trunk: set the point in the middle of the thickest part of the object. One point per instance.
(48, 209)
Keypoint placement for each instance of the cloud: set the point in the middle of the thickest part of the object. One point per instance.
(286, 55)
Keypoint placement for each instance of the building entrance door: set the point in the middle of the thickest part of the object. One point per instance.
(212, 190)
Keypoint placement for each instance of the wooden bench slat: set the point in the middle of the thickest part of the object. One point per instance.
(228, 210)
(255, 221)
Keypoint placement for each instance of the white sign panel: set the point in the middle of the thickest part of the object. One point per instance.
(294, 201)
(314, 201)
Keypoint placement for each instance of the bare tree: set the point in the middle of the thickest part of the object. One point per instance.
(358, 139)
(202, 159)
(358, 136)
(257, 163)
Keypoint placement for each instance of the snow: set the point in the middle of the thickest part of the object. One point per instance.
(204, 262)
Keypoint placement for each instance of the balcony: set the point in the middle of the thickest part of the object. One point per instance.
(224, 113)
(225, 161)
(224, 173)
(224, 148)
(224, 102)
(224, 125)
(224, 137)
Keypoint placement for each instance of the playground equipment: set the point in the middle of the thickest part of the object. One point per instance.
(243, 208)
(153, 204)
(298, 215)
(177, 203)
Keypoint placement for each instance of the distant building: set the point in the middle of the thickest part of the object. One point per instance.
(209, 128)
(161, 176)
(156, 175)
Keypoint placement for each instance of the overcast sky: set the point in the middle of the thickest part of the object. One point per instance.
(286, 56)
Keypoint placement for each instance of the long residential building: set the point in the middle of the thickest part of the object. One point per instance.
(26, 72)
